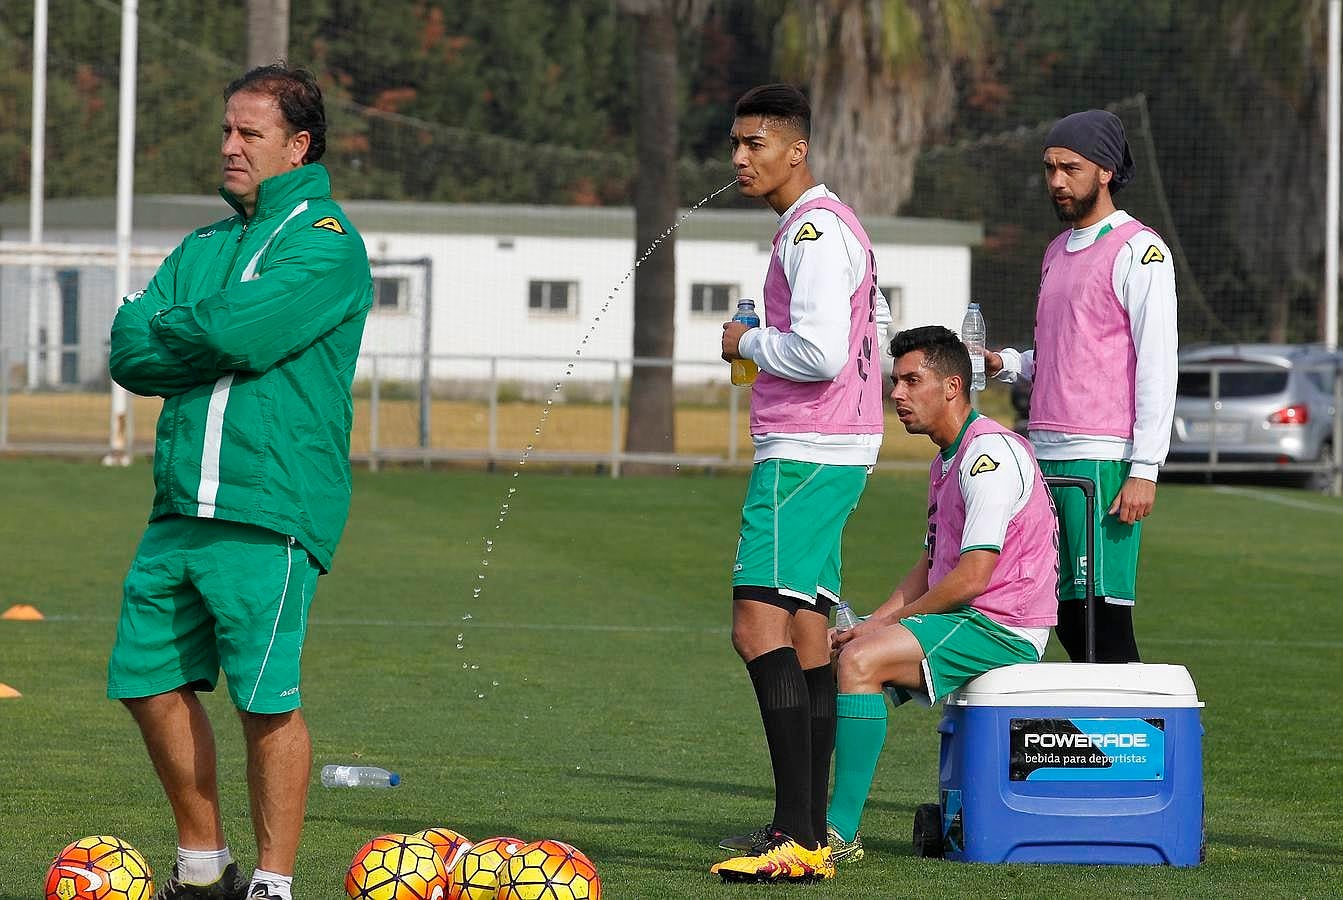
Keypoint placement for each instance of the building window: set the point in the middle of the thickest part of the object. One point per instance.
(712, 299)
(552, 298)
(391, 294)
(895, 299)
(67, 280)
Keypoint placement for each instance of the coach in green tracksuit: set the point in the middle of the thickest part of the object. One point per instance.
(249, 331)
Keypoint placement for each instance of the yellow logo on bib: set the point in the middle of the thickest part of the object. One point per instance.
(985, 463)
(807, 232)
(330, 224)
(1152, 255)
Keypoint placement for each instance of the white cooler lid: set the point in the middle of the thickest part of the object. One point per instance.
(1080, 684)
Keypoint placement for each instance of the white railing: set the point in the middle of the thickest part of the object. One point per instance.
(548, 396)
(56, 418)
(391, 385)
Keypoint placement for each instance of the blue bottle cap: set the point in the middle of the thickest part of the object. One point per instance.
(394, 780)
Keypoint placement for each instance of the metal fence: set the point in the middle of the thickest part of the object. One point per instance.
(491, 410)
(498, 410)
(515, 421)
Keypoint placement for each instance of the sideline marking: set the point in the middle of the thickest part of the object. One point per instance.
(460, 625)
(1252, 642)
(1259, 494)
(684, 629)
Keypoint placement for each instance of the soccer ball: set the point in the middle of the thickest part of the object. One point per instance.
(476, 873)
(99, 868)
(397, 867)
(549, 870)
(447, 842)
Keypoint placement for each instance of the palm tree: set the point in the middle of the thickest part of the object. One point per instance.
(650, 426)
(881, 83)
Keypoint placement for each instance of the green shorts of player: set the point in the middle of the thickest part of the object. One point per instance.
(792, 521)
(1116, 555)
(957, 646)
(204, 595)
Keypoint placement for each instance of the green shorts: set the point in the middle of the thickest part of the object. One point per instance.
(788, 552)
(206, 594)
(960, 645)
(1116, 560)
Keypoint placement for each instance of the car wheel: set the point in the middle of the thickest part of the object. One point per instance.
(1322, 481)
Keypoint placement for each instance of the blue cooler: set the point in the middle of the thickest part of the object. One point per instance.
(1073, 763)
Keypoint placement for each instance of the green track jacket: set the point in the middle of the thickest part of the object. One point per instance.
(250, 330)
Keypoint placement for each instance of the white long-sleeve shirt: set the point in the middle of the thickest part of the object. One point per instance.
(822, 276)
(1147, 292)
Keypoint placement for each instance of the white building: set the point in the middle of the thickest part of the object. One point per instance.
(526, 283)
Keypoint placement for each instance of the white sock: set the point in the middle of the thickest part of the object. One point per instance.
(202, 866)
(278, 885)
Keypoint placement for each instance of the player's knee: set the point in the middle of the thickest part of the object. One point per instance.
(746, 641)
(861, 663)
(758, 628)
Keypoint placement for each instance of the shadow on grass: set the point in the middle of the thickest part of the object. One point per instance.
(733, 789)
(640, 855)
(1327, 854)
(702, 826)
(763, 792)
(477, 830)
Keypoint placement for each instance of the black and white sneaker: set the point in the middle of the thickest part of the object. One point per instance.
(230, 886)
(261, 891)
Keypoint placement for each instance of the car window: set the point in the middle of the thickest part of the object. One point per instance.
(1322, 377)
(1233, 384)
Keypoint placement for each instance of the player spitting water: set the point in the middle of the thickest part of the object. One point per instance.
(505, 505)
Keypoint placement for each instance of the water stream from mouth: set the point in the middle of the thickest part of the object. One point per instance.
(506, 504)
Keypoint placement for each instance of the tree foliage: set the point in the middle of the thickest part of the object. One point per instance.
(881, 76)
(1233, 127)
(512, 101)
(533, 101)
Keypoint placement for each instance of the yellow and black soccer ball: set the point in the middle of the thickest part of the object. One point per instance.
(99, 868)
(397, 867)
(476, 874)
(549, 870)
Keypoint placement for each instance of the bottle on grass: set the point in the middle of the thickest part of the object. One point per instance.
(358, 776)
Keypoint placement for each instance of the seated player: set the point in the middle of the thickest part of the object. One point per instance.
(983, 592)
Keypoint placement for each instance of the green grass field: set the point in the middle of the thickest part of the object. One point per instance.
(597, 699)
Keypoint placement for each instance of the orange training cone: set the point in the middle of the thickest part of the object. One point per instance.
(7, 692)
(22, 612)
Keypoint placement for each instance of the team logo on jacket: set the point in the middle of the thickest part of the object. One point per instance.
(984, 463)
(330, 224)
(1152, 255)
(807, 232)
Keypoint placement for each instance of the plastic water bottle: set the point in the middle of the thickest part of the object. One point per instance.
(973, 335)
(744, 370)
(358, 776)
(844, 616)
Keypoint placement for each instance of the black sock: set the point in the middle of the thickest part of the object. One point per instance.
(781, 691)
(1115, 642)
(821, 687)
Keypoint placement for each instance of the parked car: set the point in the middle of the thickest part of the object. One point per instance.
(1280, 411)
